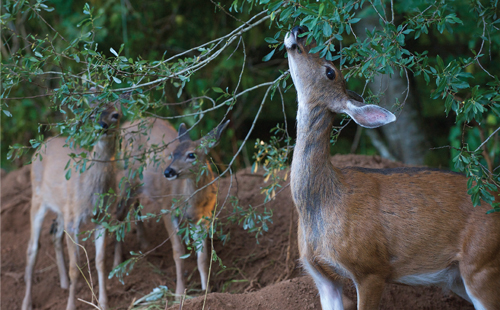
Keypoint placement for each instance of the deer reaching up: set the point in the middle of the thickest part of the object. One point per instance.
(196, 196)
(73, 201)
(415, 226)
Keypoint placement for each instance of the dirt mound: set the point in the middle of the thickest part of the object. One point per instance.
(301, 293)
(256, 276)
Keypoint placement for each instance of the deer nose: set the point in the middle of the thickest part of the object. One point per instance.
(103, 125)
(299, 30)
(170, 173)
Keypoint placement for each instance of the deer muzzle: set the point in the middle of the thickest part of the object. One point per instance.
(171, 174)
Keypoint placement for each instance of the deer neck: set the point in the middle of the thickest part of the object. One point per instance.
(314, 180)
(204, 191)
(199, 205)
(101, 177)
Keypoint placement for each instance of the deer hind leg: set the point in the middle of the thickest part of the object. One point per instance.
(370, 289)
(121, 212)
(58, 231)
(178, 251)
(71, 240)
(456, 285)
(141, 232)
(482, 287)
(330, 292)
(100, 251)
(37, 215)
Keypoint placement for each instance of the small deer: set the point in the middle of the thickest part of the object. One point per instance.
(73, 201)
(139, 138)
(197, 196)
(415, 226)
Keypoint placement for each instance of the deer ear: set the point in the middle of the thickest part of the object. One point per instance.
(355, 96)
(213, 136)
(93, 97)
(183, 135)
(368, 115)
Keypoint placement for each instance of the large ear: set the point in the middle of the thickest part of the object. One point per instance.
(213, 136)
(183, 135)
(368, 115)
(93, 97)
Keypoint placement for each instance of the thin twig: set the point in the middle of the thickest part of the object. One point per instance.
(480, 146)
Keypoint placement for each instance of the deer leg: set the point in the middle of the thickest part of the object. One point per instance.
(330, 292)
(57, 239)
(100, 247)
(37, 216)
(481, 287)
(73, 266)
(202, 264)
(458, 287)
(121, 211)
(141, 233)
(178, 251)
(370, 289)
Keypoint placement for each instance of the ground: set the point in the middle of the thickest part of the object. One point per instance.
(257, 276)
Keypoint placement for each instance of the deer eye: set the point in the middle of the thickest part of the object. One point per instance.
(115, 116)
(330, 73)
(191, 156)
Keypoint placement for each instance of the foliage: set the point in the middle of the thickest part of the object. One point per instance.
(391, 48)
(206, 71)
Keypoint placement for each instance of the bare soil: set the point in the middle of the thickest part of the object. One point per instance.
(263, 275)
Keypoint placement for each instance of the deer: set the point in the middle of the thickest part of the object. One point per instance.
(154, 139)
(193, 183)
(413, 226)
(73, 201)
(196, 198)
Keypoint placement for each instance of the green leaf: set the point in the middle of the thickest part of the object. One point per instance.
(268, 56)
(117, 80)
(271, 40)
(113, 52)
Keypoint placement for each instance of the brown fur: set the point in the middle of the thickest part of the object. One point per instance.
(378, 226)
(73, 201)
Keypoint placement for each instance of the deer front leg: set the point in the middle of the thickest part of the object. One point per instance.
(100, 248)
(178, 251)
(203, 265)
(370, 289)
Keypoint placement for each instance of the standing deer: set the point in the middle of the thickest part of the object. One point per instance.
(415, 226)
(138, 139)
(197, 197)
(73, 201)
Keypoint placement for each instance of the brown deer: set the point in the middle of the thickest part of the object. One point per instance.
(154, 140)
(73, 201)
(415, 226)
(187, 158)
(197, 197)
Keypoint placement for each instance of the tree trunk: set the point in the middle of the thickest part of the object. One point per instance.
(405, 137)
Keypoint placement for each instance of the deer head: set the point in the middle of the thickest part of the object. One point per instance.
(189, 155)
(107, 116)
(319, 82)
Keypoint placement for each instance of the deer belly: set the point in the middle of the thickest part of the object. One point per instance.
(441, 277)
